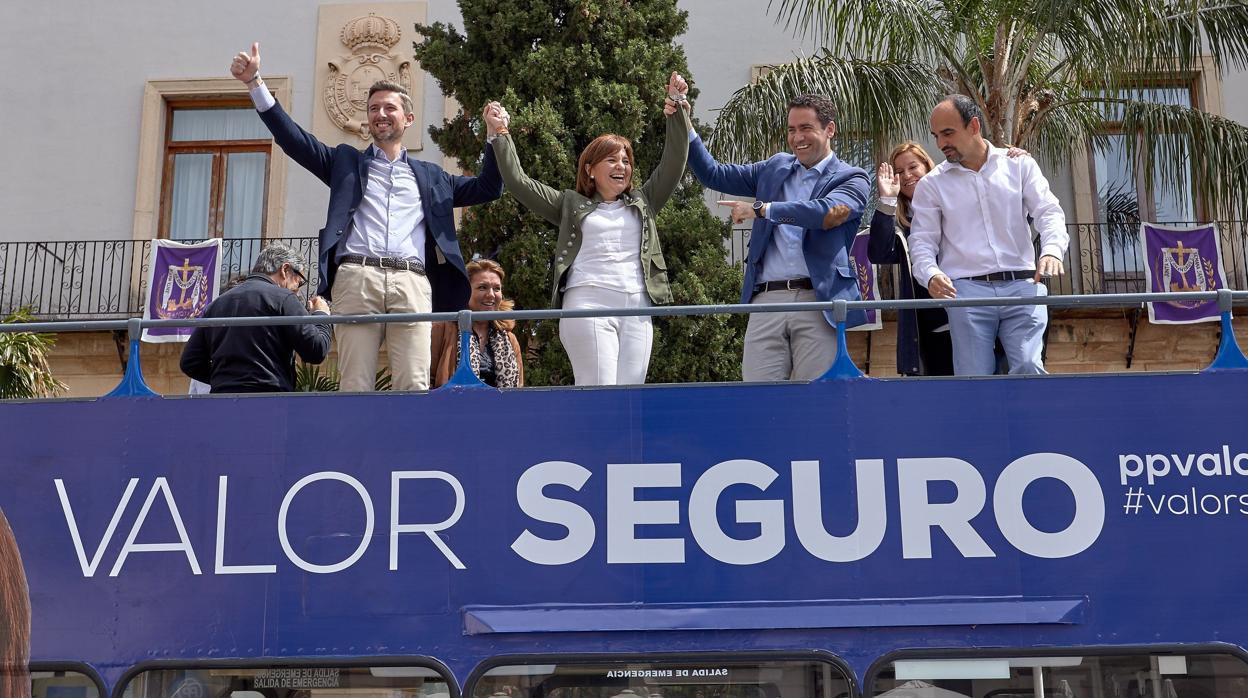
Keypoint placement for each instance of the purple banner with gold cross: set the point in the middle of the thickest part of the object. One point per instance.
(1177, 259)
(182, 280)
(868, 284)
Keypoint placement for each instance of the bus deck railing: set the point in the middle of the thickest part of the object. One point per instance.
(1229, 355)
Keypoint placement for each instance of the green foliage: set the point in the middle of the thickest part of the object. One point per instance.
(325, 378)
(569, 71)
(707, 347)
(1047, 74)
(24, 371)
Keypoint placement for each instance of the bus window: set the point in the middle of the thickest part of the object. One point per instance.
(289, 682)
(62, 684)
(1141, 675)
(662, 678)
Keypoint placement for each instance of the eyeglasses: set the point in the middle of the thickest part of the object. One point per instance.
(303, 280)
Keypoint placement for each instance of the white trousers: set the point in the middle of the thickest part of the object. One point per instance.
(606, 350)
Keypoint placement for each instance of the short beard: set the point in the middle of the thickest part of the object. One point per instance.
(391, 137)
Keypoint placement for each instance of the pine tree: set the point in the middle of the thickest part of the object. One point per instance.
(569, 71)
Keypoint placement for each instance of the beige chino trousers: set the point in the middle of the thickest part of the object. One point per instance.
(361, 290)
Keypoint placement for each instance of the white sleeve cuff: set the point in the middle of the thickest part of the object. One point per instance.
(261, 97)
(693, 135)
(924, 276)
(1052, 250)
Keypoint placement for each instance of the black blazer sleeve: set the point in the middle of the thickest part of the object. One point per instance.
(885, 246)
(484, 188)
(302, 147)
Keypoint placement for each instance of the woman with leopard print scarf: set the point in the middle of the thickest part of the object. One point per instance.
(494, 353)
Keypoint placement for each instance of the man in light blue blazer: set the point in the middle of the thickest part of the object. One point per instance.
(806, 209)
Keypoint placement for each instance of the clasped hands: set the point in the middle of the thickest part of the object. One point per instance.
(496, 119)
(677, 94)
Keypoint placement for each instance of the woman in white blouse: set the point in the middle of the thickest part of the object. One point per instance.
(608, 253)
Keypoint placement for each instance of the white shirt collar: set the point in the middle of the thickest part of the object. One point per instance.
(375, 152)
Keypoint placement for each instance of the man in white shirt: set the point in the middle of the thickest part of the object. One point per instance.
(389, 243)
(970, 238)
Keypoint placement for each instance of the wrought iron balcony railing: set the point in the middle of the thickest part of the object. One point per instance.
(104, 279)
(1102, 258)
(107, 279)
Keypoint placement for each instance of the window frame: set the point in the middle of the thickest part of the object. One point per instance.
(77, 667)
(885, 661)
(1189, 81)
(423, 661)
(600, 658)
(1086, 254)
(220, 150)
(153, 133)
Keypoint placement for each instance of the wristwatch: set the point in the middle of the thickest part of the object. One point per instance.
(758, 209)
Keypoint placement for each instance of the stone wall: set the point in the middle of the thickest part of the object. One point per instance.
(1079, 342)
(1087, 341)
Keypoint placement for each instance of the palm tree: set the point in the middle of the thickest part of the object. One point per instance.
(24, 371)
(1047, 74)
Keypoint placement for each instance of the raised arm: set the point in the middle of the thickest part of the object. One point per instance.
(483, 188)
(666, 177)
(302, 147)
(736, 180)
(537, 197)
(883, 247)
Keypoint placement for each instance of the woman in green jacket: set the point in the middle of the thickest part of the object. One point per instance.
(608, 253)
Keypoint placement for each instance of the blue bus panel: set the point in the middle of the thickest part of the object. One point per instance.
(851, 519)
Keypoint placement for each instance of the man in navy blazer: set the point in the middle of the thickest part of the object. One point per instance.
(806, 212)
(389, 242)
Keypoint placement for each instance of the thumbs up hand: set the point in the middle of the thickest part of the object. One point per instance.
(246, 66)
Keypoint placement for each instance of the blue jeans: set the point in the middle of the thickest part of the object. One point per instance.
(1021, 328)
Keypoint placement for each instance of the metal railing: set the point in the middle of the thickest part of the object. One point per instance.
(1103, 258)
(98, 279)
(1110, 259)
(1229, 355)
(107, 279)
